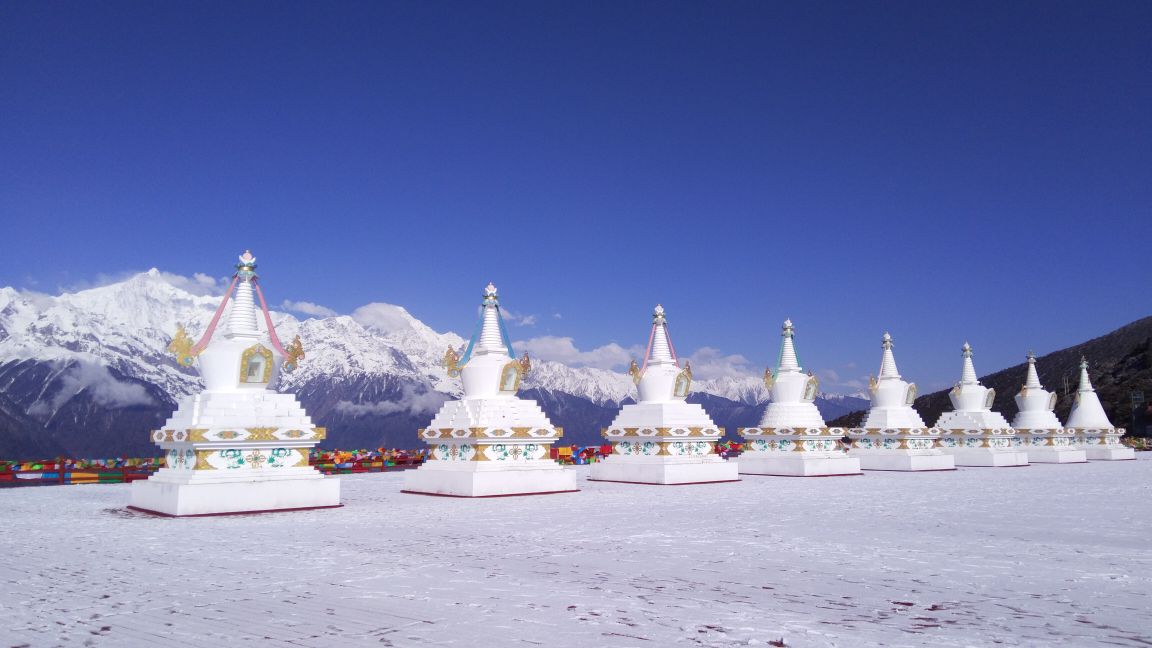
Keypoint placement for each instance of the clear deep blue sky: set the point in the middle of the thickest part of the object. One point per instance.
(974, 171)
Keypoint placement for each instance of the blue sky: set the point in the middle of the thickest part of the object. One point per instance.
(975, 171)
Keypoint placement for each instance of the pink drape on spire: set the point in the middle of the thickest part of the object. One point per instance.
(207, 337)
(648, 351)
(268, 320)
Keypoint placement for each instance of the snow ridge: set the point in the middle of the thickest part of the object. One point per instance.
(127, 326)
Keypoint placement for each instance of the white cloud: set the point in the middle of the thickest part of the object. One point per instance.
(308, 308)
(518, 319)
(198, 284)
(557, 316)
(830, 376)
(563, 350)
(205, 280)
(97, 382)
(40, 300)
(831, 379)
(411, 400)
(709, 362)
(104, 279)
(383, 317)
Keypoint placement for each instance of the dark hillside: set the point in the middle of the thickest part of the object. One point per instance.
(1119, 363)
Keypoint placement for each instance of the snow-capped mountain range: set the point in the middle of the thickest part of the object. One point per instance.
(105, 349)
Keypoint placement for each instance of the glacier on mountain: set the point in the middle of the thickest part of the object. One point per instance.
(84, 353)
(127, 325)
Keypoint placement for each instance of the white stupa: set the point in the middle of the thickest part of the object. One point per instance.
(238, 446)
(489, 443)
(1094, 432)
(893, 436)
(973, 433)
(662, 439)
(1037, 428)
(792, 438)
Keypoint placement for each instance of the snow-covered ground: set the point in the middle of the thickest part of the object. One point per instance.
(1038, 556)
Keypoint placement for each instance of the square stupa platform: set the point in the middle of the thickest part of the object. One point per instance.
(1104, 445)
(490, 462)
(483, 481)
(1050, 446)
(796, 453)
(678, 450)
(665, 472)
(229, 468)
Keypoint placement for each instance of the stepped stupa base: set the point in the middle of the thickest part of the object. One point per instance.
(988, 457)
(905, 462)
(982, 446)
(753, 463)
(456, 479)
(1103, 444)
(1109, 453)
(639, 470)
(911, 449)
(666, 443)
(180, 498)
(795, 452)
(1056, 455)
(1050, 446)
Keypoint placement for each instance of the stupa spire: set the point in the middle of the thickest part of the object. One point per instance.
(1085, 381)
(492, 336)
(660, 349)
(1032, 381)
(968, 374)
(490, 341)
(242, 318)
(788, 359)
(888, 361)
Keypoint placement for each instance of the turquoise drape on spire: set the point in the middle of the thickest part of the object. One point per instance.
(476, 335)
